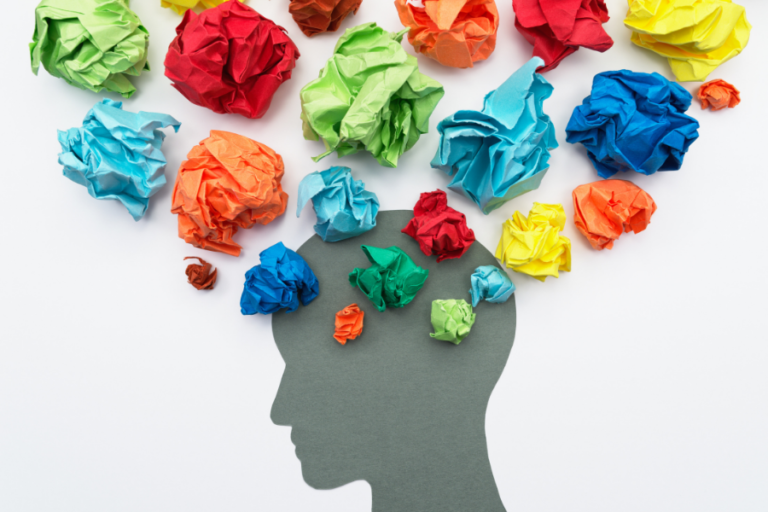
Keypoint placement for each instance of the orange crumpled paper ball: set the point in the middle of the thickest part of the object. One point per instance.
(718, 94)
(317, 16)
(456, 33)
(603, 210)
(349, 323)
(228, 182)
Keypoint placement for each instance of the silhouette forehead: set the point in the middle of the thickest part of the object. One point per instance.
(395, 346)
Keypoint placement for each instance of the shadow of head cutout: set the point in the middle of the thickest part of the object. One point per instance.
(394, 407)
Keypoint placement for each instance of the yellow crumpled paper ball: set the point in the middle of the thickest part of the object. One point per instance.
(696, 36)
(182, 6)
(534, 245)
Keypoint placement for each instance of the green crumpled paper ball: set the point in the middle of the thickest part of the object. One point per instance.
(392, 280)
(371, 96)
(452, 320)
(92, 44)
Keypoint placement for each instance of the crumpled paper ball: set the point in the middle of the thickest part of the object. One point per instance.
(281, 280)
(455, 33)
(491, 284)
(534, 245)
(452, 320)
(557, 28)
(117, 154)
(634, 122)
(91, 44)
(182, 6)
(200, 275)
(605, 209)
(695, 36)
(230, 59)
(349, 324)
(718, 94)
(318, 16)
(228, 182)
(370, 96)
(343, 207)
(438, 228)
(392, 280)
(502, 152)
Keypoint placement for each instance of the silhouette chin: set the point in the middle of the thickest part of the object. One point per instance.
(319, 476)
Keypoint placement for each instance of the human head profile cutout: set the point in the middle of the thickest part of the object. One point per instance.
(394, 407)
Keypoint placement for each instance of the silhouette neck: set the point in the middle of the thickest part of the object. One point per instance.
(447, 474)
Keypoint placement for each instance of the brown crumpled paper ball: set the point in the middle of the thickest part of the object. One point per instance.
(318, 16)
(200, 276)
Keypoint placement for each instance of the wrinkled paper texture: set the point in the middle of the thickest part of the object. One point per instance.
(317, 16)
(370, 96)
(634, 122)
(695, 36)
(343, 207)
(199, 275)
(392, 280)
(438, 228)
(452, 320)
(281, 280)
(230, 59)
(91, 44)
(117, 154)
(349, 324)
(502, 152)
(718, 94)
(227, 182)
(491, 284)
(603, 210)
(534, 245)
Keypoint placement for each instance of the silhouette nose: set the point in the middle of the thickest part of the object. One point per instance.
(279, 413)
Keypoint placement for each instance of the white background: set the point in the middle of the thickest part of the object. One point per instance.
(637, 381)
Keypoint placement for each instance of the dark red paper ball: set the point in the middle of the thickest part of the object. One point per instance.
(230, 59)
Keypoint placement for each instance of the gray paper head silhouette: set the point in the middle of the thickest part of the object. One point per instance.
(394, 407)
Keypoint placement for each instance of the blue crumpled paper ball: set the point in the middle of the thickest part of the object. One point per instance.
(634, 122)
(343, 207)
(502, 152)
(281, 280)
(116, 154)
(492, 284)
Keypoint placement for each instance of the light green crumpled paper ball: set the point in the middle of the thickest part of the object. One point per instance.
(452, 320)
(92, 44)
(371, 96)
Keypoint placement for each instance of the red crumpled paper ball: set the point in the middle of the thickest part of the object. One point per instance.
(557, 28)
(718, 94)
(605, 209)
(438, 228)
(230, 59)
(318, 16)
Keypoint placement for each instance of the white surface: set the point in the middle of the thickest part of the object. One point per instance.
(637, 381)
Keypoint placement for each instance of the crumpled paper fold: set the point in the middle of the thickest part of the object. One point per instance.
(605, 209)
(317, 16)
(634, 122)
(117, 154)
(182, 6)
(502, 152)
(371, 96)
(392, 280)
(718, 94)
(91, 44)
(227, 182)
(557, 28)
(281, 280)
(438, 228)
(200, 275)
(455, 33)
(491, 284)
(343, 207)
(452, 320)
(534, 245)
(349, 324)
(695, 36)
(230, 59)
